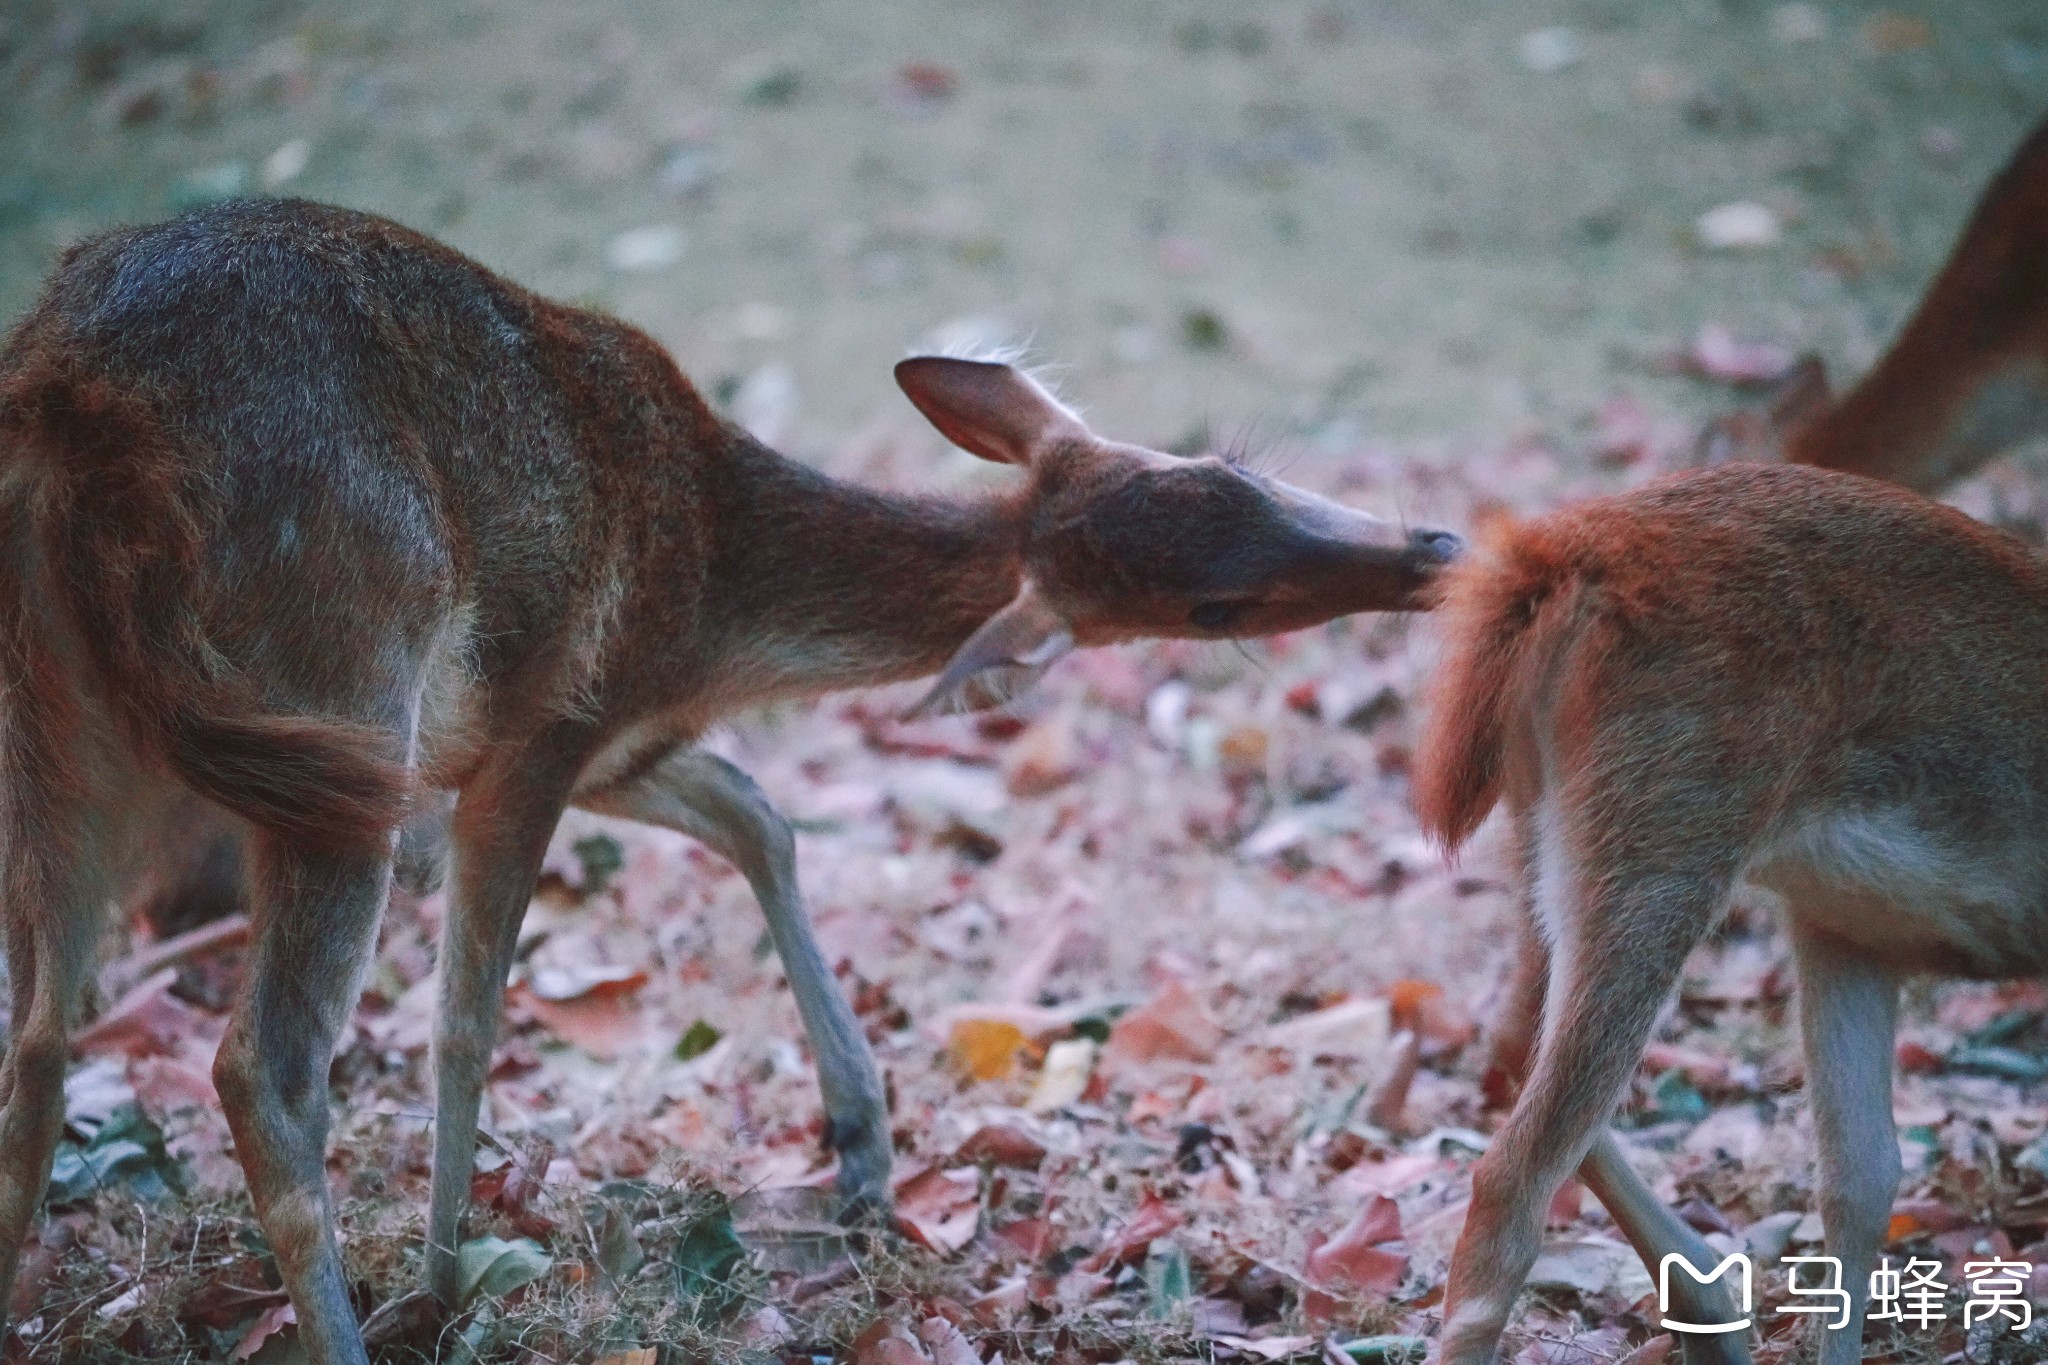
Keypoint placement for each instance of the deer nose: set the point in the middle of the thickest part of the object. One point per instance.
(1442, 546)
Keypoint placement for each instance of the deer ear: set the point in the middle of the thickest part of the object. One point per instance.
(995, 411)
(1002, 658)
(1799, 395)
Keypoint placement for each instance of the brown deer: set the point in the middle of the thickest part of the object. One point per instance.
(1967, 378)
(311, 517)
(1780, 676)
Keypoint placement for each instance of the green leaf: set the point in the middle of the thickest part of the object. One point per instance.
(704, 1264)
(1169, 1281)
(2004, 1029)
(1386, 1350)
(697, 1040)
(2035, 1156)
(601, 858)
(2006, 1063)
(618, 1249)
(126, 1150)
(1674, 1099)
(490, 1267)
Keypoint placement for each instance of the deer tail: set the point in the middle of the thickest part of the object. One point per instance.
(1494, 606)
(121, 515)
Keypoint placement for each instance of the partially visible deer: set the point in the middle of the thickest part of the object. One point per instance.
(1967, 378)
(309, 516)
(1819, 684)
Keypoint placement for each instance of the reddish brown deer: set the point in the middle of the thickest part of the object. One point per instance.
(1774, 675)
(309, 516)
(1967, 378)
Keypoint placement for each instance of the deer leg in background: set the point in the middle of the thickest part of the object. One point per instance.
(709, 799)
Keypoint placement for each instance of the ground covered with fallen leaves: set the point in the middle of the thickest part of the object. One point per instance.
(1181, 1016)
(1180, 1019)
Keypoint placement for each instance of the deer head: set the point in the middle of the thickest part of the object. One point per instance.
(1124, 542)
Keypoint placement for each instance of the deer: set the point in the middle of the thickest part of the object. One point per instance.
(1965, 380)
(1773, 676)
(311, 519)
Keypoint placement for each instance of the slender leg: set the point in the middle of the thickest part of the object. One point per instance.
(1520, 1023)
(709, 799)
(315, 929)
(1650, 1226)
(1848, 1013)
(1629, 936)
(55, 896)
(499, 836)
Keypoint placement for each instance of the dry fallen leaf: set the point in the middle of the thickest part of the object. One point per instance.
(1357, 1259)
(1152, 1219)
(1349, 1028)
(1001, 1144)
(1064, 1077)
(986, 1049)
(595, 1011)
(147, 1021)
(940, 1209)
(1171, 1025)
(267, 1325)
(947, 1344)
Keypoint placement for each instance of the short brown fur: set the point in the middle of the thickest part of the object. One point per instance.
(308, 516)
(1810, 682)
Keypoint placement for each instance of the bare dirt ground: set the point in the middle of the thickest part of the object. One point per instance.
(1432, 257)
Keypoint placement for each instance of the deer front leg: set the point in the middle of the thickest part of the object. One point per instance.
(1848, 1014)
(709, 799)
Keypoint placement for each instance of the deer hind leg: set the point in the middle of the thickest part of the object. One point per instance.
(1624, 934)
(1848, 1013)
(56, 886)
(1648, 1223)
(709, 799)
(499, 835)
(315, 923)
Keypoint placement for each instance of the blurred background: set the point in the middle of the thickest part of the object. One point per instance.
(1449, 225)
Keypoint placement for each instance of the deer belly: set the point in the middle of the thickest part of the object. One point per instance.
(1909, 896)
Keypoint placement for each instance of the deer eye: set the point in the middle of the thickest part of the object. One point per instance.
(1216, 616)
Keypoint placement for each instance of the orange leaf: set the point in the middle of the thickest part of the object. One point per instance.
(986, 1049)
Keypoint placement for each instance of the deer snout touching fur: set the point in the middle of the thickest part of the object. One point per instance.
(311, 517)
(1815, 683)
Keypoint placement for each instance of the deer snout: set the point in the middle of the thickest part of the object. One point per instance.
(1440, 547)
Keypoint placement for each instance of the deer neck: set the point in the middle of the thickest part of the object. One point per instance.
(821, 584)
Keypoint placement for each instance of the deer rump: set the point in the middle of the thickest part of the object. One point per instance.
(1835, 683)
